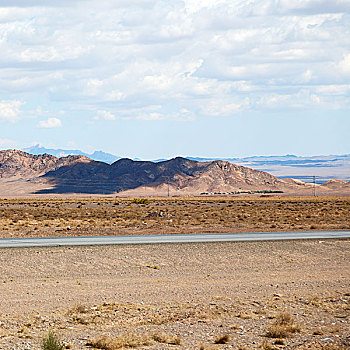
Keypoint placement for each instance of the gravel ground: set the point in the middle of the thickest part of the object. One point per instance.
(187, 294)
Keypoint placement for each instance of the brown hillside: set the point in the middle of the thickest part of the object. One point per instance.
(336, 185)
(15, 163)
(181, 174)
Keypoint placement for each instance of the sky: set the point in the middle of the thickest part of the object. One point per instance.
(158, 79)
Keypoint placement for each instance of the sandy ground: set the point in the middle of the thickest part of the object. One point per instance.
(181, 293)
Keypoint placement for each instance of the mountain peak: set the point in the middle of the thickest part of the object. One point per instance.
(96, 155)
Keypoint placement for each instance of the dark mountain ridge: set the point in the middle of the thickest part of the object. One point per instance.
(179, 173)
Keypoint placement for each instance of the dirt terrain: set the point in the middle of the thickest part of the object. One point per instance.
(257, 295)
(111, 215)
(262, 295)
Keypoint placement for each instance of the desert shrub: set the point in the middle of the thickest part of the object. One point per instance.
(140, 201)
(283, 327)
(127, 340)
(266, 346)
(167, 339)
(51, 342)
(223, 339)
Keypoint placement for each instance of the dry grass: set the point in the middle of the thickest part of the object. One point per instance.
(162, 337)
(265, 345)
(136, 322)
(127, 340)
(283, 327)
(132, 340)
(72, 216)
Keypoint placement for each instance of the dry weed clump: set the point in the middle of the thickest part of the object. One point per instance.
(266, 346)
(207, 347)
(127, 340)
(78, 308)
(283, 327)
(222, 339)
(165, 338)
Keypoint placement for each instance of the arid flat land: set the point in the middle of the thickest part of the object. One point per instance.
(112, 215)
(257, 295)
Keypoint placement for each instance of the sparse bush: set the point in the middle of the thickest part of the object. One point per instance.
(129, 340)
(280, 342)
(51, 342)
(283, 327)
(167, 339)
(284, 319)
(266, 346)
(140, 201)
(223, 339)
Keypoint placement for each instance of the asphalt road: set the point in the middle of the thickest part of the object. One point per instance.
(177, 238)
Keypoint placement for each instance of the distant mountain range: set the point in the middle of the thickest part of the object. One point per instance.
(324, 168)
(22, 173)
(302, 168)
(97, 155)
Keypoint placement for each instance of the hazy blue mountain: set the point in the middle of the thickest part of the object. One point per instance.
(322, 167)
(97, 155)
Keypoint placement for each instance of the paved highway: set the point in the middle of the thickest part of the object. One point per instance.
(177, 238)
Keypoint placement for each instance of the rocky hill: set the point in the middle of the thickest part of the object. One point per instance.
(15, 163)
(183, 176)
(22, 173)
(336, 185)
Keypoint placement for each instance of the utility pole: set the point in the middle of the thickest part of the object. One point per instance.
(314, 186)
(168, 189)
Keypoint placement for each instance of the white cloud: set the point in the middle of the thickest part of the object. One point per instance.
(105, 115)
(344, 64)
(10, 110)
(207, 57)
(181, 115)
(50, 123)
(7, 143)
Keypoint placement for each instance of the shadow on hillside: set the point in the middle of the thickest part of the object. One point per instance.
(100, 178)
(88, 178)
(63, 187)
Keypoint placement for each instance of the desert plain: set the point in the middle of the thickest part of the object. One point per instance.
(77, 216)
(256, 295)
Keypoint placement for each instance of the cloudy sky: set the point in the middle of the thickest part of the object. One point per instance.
(150, 79)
